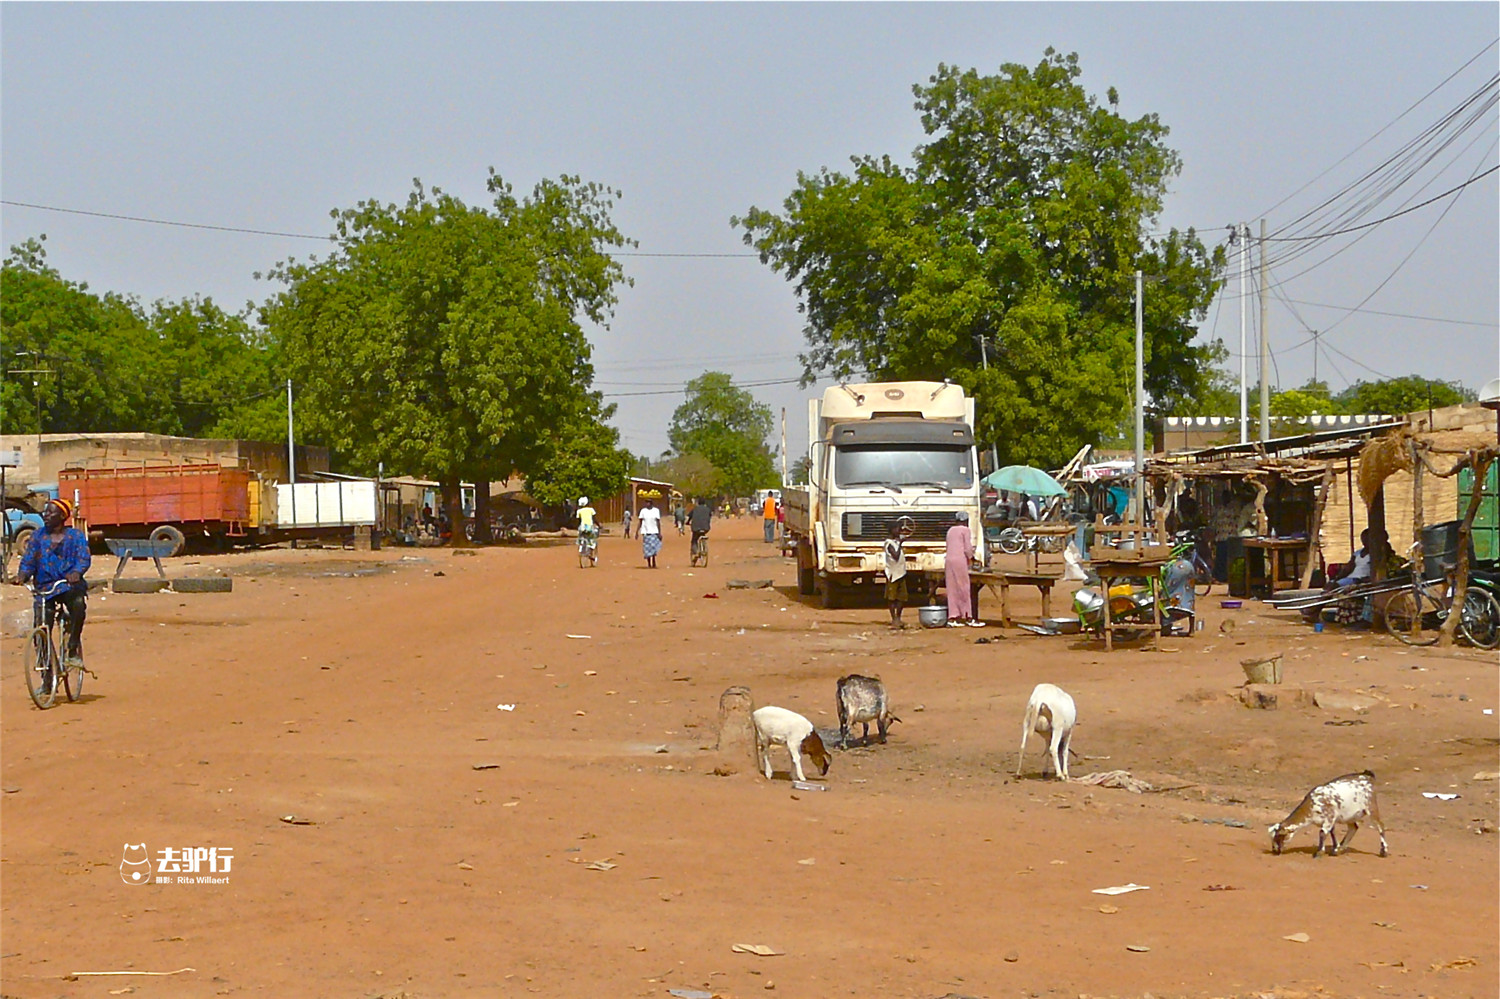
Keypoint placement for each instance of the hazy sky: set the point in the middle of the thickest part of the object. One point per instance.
(268, 116)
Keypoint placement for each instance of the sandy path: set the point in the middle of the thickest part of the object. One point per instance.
(359, 691)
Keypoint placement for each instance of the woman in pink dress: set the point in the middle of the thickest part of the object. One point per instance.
(956, 565)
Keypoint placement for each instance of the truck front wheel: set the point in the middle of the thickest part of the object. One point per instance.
(829, 593)
(807, 580)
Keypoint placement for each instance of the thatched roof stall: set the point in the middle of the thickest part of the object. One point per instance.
(1442, 453)
(1276, 489)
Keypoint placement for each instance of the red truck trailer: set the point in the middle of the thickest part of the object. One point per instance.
(164, 502)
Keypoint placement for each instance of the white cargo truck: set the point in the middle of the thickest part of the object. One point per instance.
(879, 452)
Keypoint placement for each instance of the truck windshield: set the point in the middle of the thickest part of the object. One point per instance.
(910, 465)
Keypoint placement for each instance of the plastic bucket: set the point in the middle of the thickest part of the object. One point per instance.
(1266, 670)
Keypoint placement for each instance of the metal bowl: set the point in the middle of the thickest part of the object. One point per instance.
(933, 617)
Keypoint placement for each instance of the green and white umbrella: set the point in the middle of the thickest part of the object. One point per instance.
(1024, 479)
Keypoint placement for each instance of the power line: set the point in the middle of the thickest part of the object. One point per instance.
(1394, 215)
(166, 222)
(1383, 129)
(683, 388)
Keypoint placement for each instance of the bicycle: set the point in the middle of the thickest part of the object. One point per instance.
(588, 549)
(47, 667)
(699, 553)
(1185, 545)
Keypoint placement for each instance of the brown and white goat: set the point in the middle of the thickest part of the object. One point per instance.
(775, 725)
(1345, 799)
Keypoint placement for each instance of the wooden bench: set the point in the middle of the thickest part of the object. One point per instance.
(139, 549)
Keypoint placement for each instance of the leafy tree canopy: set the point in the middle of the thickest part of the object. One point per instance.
(724, 424)
(185, 368)
(1408, 394)
(1021, 223)
(585, 459)
(445, 339)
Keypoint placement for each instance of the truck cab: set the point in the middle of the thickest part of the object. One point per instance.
(880, 452)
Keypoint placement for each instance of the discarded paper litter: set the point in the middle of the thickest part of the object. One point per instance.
(759, 950)
(1122, 889)
(1438, 795)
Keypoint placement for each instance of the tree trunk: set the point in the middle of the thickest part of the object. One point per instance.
(453, 507)
(1481, 467)
(482, 510)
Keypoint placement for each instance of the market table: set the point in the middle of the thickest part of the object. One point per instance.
(1000, 583)
(1273, 553)
(1112, 570)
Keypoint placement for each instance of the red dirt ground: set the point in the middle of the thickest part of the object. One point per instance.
(359, 691)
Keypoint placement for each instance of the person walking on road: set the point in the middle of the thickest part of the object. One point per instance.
(649, 531)
(679, 517)
(956, 567)
(768, 517)
(626, 518)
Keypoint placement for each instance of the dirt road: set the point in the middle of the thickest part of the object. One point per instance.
(582, 844)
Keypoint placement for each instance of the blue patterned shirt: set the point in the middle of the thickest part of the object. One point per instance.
(47, 561)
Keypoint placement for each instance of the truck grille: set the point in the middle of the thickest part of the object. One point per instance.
(931, 525)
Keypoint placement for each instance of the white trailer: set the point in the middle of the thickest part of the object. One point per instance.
(879, 452)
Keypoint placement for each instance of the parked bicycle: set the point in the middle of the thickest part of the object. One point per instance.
(1185, 545)
(1014, 541)
(47, 669)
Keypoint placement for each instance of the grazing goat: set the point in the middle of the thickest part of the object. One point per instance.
(778, 725)
(862, 700)
(1345, 799)
(1050, 711)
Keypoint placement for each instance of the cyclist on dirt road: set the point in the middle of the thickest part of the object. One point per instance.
(700, 518)
(60, 552)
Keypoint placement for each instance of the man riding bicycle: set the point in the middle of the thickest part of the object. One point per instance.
(700, 518)
(60, 552)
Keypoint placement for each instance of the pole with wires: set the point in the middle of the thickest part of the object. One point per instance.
(1140, 404)
(1265, 348)
(1244, 234)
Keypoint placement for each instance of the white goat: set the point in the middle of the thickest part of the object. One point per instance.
(1345, 799)
(1050, 711)
(778, 725)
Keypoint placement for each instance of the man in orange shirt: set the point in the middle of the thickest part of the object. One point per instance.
(768, 518)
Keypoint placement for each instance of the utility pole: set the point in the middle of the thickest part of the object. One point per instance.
(1315, 356)
(1244, 234)
(984, 358)
(783, 447)
(1265, 342)
(1140, 411)
(291, 452)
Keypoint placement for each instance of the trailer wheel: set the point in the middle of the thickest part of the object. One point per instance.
(166, 532)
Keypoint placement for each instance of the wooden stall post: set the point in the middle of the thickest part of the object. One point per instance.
(1417, 517)
(1315, 528)
(1481, 465)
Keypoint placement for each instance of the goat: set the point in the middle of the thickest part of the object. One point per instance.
(1050, 711)
(862, 700)
(778, 725)
(1345, 799)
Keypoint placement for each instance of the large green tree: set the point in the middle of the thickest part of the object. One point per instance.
(80, 362)
(726, 425)
(1017, 231)
(581, 459)
(444, 339)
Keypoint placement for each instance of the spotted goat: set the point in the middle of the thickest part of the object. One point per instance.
(1346, 799)
(862, 700)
